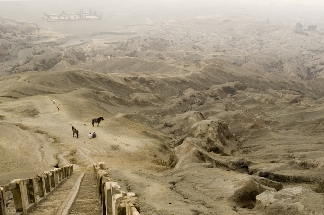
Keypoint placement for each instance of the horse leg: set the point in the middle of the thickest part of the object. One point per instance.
(77, 134)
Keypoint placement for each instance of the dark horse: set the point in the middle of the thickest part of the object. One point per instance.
(75, 132)
(97, 120)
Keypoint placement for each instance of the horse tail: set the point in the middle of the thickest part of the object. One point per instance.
(93, 122)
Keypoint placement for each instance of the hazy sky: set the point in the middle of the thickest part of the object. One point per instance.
(246, 1)
(119, 13)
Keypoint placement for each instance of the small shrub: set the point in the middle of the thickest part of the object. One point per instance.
(114, 147)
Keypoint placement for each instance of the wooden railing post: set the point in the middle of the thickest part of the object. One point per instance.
(47, 179)
(41, 185)
(114, 201)
(52, 177)
(30, 186)
(56, 176)
(18, 192)
(110, 192)
(64, 175)
(107, 197)
(2, 202)
(71, 169)
(60, 174)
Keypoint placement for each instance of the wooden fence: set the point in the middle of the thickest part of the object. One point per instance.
(114, 201)
(26, 193)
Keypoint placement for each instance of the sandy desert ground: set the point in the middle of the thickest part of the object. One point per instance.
(208, 115)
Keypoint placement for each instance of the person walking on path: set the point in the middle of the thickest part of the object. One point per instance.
(54, 102)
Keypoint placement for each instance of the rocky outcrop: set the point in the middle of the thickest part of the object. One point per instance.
(221, 91)
(212, 136)
(245, 195)
(181, 123)
(202, 140)
(294, 200)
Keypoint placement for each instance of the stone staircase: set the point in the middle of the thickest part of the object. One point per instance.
(61, 200)
(63, 191)
(87, 202)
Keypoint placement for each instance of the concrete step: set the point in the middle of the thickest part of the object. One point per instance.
(54, 200)
(87, 201)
